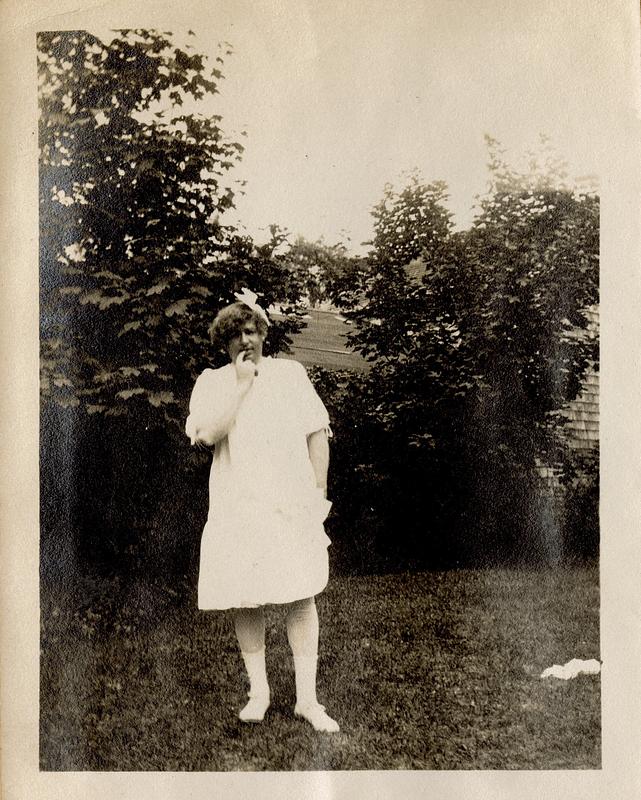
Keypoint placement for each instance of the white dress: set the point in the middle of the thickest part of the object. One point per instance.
(264, 540)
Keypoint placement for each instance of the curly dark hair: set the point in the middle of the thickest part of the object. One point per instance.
(229, 322)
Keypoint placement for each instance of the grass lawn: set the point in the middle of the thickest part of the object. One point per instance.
(423, 671)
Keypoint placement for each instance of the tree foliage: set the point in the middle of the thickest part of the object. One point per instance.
(410, 224)
(534, 252)
(135, 257)
(328, 272)
(476, 339)
(495, 312)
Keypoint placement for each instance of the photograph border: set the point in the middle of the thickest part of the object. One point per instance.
(620, 472)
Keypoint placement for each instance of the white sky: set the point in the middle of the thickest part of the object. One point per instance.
(338, 98)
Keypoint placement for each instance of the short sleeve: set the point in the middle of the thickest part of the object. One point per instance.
(209, 389)
(311, 409)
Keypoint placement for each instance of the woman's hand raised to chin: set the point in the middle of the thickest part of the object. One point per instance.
(245, 369)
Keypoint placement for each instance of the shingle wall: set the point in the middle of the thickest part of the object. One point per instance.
(581, 416)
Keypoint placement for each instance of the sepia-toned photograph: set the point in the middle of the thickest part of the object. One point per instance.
(319, 390)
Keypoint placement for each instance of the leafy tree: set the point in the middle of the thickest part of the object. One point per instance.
(135, 258)
(534, 249)
(328, 272)
(476, 339)
(416, 293)
(401, 414)
(411, 224)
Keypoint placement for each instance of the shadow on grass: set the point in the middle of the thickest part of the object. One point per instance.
(423, 671)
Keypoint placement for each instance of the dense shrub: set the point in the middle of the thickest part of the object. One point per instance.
(581, 506)
(465, 500)
(125, 503)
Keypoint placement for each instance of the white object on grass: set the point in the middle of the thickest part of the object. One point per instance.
(573, 668)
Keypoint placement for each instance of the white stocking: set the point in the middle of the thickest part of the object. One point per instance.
(250, 632)
(302, 633)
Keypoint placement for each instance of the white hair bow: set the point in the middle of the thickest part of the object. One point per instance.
(249, 299)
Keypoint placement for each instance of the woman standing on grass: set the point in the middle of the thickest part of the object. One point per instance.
(264, 541)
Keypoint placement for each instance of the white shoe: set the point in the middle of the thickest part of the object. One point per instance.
(255, 710)
(318, 718)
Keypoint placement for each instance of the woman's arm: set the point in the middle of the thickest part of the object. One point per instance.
(318, 448)
(210, 427)
(220, 423)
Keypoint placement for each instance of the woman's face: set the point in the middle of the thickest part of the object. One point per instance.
(248, 340)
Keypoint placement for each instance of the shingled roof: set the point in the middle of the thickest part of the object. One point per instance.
(322, 343)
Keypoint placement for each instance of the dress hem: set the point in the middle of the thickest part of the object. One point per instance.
(261, 604)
